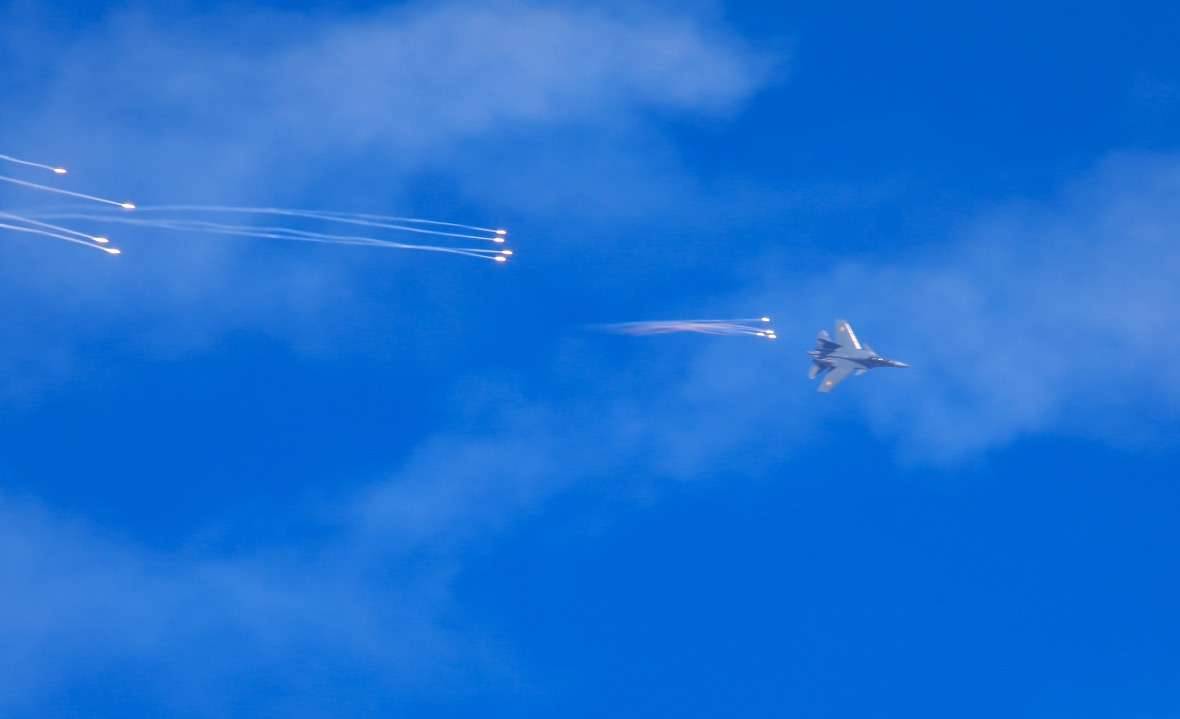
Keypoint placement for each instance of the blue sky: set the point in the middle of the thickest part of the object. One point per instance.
(251, 479)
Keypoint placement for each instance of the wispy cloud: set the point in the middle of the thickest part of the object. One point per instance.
(188, 624)
(256, 97)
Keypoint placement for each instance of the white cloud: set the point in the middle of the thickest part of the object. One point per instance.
(192, 101)
(190, 622)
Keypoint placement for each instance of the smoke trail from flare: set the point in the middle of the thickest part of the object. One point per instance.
(30, 163)
(294, 234)
(384, 222)
(57, 236)
(67, 193)
(298, 225)
(20, 223)
(741, 327)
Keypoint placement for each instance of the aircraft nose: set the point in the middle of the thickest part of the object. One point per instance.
(899, 364)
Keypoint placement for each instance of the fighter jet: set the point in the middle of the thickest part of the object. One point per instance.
(843, 356)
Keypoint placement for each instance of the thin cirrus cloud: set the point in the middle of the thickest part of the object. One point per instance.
(404, 87)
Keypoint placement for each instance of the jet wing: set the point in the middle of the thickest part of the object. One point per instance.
(846, 336)
(838, 374)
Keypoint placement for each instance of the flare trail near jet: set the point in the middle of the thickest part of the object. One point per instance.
(22, 223)
(263, 223)
(742, 327)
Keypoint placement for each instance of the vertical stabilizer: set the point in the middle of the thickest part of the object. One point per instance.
(847, 335)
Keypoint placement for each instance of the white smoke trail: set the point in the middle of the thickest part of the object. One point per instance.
(58, 236)
(56, 228)
(412, 220)
(30, 163)
(746, 327)
(68, 193)
(31, 226)
(342, 218)
(280, 233)
(33, 222)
